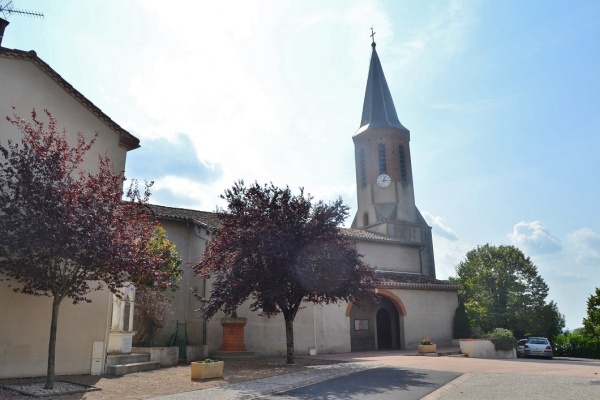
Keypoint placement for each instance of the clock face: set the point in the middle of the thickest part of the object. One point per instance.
(384, 180)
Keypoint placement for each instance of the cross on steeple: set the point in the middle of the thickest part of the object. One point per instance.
(373, 37)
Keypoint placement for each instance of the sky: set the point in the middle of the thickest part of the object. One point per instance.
(502, 100)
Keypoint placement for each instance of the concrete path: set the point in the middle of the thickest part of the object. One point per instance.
(561, 378)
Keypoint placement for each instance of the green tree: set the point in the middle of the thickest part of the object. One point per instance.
(591, 323)
(280, 250)
(501, 288)
(462, 325)
(549, 322)
(152, 301)
(169, 271)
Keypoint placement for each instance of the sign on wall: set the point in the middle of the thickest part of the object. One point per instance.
(361, 324)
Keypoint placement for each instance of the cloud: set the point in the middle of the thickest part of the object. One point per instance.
(175, 191)
(440, 227)
(448, 249)
(160, 157)
(535, 238)
(587, 245)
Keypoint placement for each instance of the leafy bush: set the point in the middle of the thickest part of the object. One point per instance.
(503, 339)
(477, 333)
(152, 310)
(576, 345)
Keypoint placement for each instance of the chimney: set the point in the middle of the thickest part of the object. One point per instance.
(3, 24)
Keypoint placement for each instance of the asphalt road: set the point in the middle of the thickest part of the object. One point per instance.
(392, 375)
(377, 383)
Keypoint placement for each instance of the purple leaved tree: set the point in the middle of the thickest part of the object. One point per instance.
(64, 231)
(280, 250)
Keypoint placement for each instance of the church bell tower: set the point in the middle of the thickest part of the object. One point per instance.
(384, 180)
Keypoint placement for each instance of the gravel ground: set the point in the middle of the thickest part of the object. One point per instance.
(144, 385)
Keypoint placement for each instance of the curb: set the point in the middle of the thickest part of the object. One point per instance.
(448, 387)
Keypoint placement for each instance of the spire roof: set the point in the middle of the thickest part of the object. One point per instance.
(378, 107)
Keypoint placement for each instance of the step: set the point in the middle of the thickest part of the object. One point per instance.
(116, 359)
(122, 369)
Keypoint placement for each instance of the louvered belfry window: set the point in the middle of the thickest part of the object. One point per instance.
(382, 163)
(363, 168)
(403, 174)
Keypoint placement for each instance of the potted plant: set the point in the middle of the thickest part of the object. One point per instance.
(207, 369)
(427, 346)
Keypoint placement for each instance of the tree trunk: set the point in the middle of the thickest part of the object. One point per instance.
(289, 338)
(52, 343)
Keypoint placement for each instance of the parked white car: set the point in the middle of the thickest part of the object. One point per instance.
(537, 346)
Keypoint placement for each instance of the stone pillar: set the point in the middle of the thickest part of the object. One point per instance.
(233, 334)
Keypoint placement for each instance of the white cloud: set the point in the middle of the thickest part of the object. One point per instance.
(448, 249)
(440, 227)
(176, 191)
(534, 237)
(587, 245)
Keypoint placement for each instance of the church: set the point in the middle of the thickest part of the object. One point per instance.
(390, 233)
(388, 229)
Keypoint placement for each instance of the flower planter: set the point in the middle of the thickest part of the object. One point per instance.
(427, 348)
(204, 370)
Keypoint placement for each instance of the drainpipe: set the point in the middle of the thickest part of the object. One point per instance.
(207, 242)
(315, 325)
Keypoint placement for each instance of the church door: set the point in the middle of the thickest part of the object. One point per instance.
(384, 329)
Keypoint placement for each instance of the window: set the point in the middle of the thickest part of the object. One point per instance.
(403, 176)
(363, 168)
(382, 164)
(366, 219)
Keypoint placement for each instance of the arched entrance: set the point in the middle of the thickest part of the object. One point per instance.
(376, 326)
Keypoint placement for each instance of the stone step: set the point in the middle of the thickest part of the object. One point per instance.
(116, 359)
(122, 369)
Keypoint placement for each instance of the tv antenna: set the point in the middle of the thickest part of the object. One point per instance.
(7, 8)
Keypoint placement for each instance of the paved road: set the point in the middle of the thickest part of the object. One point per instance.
(377, 383)
(400, 374)
(515, 387)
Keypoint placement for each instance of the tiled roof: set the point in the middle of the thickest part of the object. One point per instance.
(205, 219)
(127, 140)
(211, 221)
(360, 234)
(405, 280)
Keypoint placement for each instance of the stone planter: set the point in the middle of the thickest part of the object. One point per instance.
(484, 348)
(204, 370)
(427, 348)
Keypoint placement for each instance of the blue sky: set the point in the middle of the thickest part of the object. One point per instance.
(501, 98)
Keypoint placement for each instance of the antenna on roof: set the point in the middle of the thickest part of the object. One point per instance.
(7, 8)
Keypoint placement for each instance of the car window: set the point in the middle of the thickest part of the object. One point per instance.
(538, 341)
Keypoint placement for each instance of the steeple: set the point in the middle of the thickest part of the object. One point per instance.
(384, 179)
(378, 107)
